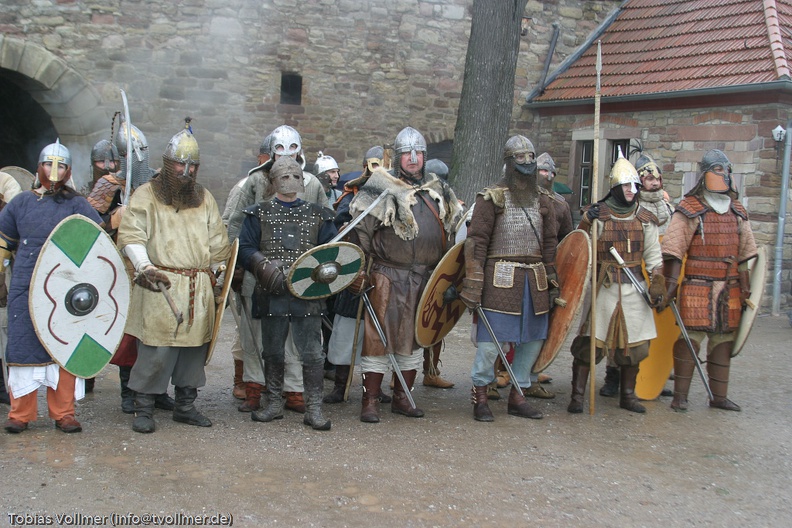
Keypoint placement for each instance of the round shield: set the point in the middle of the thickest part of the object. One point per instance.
(440, 307)
(572, 260)
(758, 269)
(24, 177)
(220, 310)
(79, 296)
(325, 270)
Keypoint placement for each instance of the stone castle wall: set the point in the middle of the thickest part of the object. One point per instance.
(368, 68)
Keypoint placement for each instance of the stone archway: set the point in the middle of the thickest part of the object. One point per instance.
(70, 108)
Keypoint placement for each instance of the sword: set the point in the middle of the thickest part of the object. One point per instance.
(483, 318)
(360, 217)
(128, 186)
(675, 310)
(381, 332)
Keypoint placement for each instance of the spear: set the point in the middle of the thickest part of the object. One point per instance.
(594, 275)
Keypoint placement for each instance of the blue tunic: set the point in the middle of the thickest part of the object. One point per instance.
(515, 328)
(25, 224)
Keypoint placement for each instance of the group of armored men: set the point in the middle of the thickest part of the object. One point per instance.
(406, 217)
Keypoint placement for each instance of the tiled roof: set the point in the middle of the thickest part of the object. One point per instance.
(661, 46)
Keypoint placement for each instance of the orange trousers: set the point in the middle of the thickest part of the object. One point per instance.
(60, 401)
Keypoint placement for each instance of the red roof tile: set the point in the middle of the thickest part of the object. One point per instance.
(660, 46)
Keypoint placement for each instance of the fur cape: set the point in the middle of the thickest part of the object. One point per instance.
(395, 210)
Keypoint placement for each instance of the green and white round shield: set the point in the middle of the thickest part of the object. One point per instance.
(325, 270)
(79, 296)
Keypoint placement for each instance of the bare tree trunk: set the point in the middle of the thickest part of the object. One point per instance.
(487, 98)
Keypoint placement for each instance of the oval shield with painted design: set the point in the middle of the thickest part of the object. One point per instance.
(325, 270)
(79, 296)
(440, 306)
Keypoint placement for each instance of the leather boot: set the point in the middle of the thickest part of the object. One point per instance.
(492, 391)
(239, 386)
(127, 394)
(295, 401)
(313, 383)
(718, 363)
(252, 397)
(580, 374)
(185, 411)
(683, 374)
(89, 385)
(400, 403)
(611, 387)
(481, 411)
(430, 371)
(369, 410)
(627, 398)
(144, 413)
(339, 388)
(518, 406)
(273, 374)
(164, 402)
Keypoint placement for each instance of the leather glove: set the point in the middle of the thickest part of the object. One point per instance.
(359, 285)
(554, 289)
(592, 213)
(3, 291)
(218, 294)
(745, 289)
(237, 278)
(150, 277)
(657, 290)
(671, 270)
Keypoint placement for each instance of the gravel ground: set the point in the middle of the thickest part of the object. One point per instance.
(615, 468)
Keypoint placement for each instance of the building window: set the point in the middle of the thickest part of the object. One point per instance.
(291, 88)
(624, 145)
(585, 166)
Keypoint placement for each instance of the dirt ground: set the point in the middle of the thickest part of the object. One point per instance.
(615, 468)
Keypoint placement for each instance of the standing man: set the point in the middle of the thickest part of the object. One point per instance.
(274, 234)
(173, 234)
(341, 346)
(509, 272)
(710, 227)
(625, 323)
(27, 221)
(406, 235)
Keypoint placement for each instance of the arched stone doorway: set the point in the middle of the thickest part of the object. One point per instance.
(44, 99)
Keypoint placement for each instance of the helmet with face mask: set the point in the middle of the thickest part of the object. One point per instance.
(623, 172)
(58, 155)
(286, 176)
(520, 152)
(286, 141)
(141, 170)
(177, 185)
(716, 170)
(374, 158)
(411, 141)
(105, 155)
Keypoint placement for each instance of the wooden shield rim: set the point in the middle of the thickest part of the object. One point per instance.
(220, 310)
(14, 171)
(341, 244)
(557, 336)
(748, 318)
(427, 296)
(36, 268)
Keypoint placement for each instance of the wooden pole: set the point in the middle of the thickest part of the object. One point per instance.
(594, 275)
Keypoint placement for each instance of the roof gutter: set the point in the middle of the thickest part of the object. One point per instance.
(784, 85)
(597, 33)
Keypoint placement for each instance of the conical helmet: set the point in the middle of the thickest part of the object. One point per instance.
(623, 172)
(182, 147)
